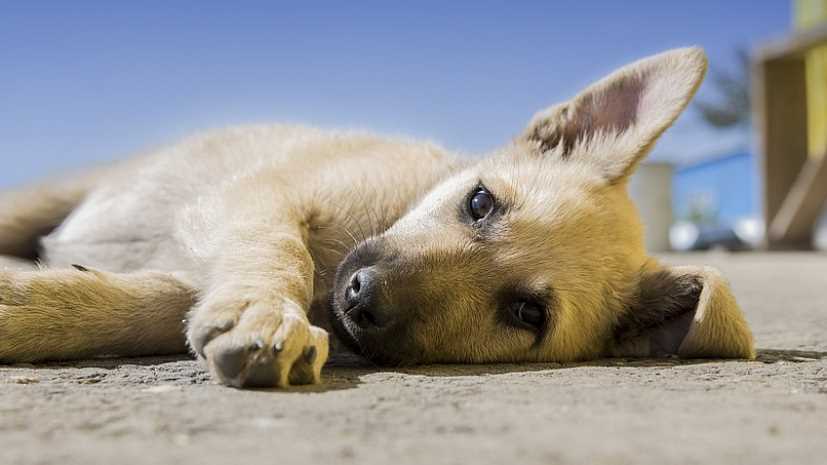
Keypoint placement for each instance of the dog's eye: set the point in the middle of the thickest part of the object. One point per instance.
(480, 204)
(528, 314)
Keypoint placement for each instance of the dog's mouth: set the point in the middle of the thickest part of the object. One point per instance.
(339, 323)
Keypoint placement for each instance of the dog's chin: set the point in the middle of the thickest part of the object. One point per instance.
(341, 324)
(355, 339)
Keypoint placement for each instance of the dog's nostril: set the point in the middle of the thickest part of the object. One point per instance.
(359, 289)
(361, 299)
(353, 289)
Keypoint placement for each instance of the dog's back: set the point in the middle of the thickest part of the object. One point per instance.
(157, 210)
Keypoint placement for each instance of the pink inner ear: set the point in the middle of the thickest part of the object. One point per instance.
(660, 319)
(614, 123)
(662, 340)
(613, 109)
(666, 339)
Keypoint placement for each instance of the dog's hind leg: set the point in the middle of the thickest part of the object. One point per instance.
(30, 213)
(61, 314)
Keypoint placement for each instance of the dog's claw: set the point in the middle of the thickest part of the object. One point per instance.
(278, 347)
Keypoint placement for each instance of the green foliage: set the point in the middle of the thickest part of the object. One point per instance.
(732, 109)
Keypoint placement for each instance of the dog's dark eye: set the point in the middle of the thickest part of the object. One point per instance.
(480, 204)
(528, 313)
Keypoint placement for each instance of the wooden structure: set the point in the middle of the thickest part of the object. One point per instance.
(794, 172)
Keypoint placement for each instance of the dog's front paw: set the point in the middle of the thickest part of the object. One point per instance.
(258, 343)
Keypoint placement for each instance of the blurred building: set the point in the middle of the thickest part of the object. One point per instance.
(716, 203)
(717, 191)
(790, 113)
(775, 195)
(812, 14)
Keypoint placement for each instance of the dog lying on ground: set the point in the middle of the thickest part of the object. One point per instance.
(243, 244)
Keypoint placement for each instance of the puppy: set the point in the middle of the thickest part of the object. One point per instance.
(248, 245)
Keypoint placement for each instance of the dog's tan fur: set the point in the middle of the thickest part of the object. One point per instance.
(240, 232)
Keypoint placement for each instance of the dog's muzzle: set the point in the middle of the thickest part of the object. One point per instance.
(363, 316)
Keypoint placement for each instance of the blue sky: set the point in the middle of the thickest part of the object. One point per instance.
(82, 82)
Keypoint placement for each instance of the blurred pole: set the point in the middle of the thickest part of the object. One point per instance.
(651, 190)
(820, 239)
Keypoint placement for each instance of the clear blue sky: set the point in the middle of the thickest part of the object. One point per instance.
(87, 81)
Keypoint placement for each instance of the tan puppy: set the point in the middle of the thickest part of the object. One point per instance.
(250, 240)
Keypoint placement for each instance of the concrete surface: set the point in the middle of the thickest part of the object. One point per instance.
(165, 410)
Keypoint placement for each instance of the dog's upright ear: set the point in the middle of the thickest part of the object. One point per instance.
(684, 311)
(615, 122)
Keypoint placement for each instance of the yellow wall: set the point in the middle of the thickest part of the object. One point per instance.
(808, 13)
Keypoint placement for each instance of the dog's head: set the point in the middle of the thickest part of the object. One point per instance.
(535, 254)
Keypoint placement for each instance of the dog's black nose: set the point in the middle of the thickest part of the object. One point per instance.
(361, 299)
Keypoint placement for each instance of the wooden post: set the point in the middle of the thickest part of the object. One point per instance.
(795, 185)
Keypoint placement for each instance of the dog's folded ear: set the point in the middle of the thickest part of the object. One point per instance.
(615, 122)
(685, 311)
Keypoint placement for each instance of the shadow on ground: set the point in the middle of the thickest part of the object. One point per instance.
(344, 370)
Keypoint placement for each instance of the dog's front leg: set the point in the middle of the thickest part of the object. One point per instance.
(251, 323)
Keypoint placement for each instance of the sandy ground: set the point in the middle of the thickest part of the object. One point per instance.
(166, 410)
